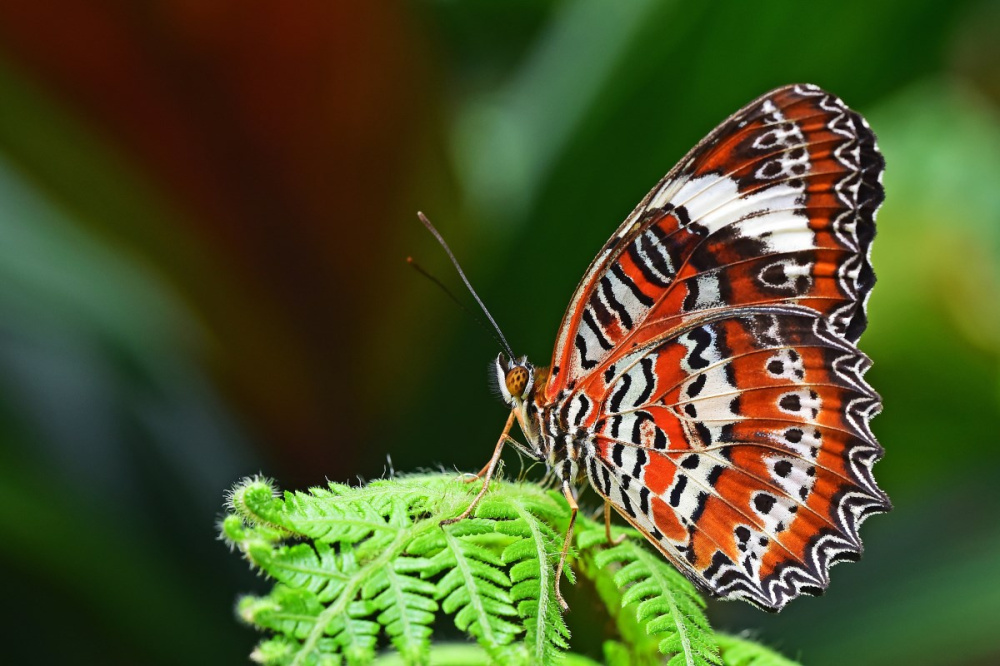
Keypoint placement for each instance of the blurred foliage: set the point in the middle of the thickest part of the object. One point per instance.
(204, 209)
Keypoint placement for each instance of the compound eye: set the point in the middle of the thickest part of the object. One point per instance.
(517, 380)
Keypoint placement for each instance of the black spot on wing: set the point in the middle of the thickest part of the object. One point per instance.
(763, 502)
(588, 319)
(619, 395)
(646, 366)
(659, 437)
(790, 402)
(691, 300)
(616, 305)
(604, 316)
(706, 257)
(653, 268)
(675, 495)
(704, 433)
(713, 476)
(700, 507)
(681, 213)
(695, 387)
(719, 560)
(616, 454)
(726, 433)
(616, 422)
(581, 345)
(702, 339)
(606, 477)
(640, 462)
(583, 410)
(627, 505)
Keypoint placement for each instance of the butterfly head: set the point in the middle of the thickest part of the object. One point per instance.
(515, 378)
(522, 385)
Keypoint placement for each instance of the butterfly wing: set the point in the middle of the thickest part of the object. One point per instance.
(775, 206)
(714, 334)
(741, 448)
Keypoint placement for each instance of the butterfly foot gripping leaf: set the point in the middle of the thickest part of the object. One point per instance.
(706, 378)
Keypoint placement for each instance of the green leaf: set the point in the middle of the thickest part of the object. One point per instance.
(361, 568)
(531, 561)
(406, 605)
(666, 604)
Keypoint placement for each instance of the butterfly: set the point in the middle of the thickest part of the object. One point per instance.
(706, 378)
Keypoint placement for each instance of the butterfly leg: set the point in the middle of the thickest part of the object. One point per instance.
(573, 508)
(486, 468)
(487, 472)
(523, 449)
(607, 525)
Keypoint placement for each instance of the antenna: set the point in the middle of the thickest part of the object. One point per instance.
(448, 292)
(430, 227)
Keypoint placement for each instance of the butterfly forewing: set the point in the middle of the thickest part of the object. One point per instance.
(776, 206)
(712, 343)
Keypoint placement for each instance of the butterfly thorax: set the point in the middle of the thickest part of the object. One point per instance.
(563, 442)
(552, 434)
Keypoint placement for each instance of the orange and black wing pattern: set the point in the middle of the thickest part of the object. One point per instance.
(712, 344)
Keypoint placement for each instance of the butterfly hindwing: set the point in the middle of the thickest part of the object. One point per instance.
(741, 449)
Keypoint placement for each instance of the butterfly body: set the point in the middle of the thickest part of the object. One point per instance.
(706, 379)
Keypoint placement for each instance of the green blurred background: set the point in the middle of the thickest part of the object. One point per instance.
(204, 213)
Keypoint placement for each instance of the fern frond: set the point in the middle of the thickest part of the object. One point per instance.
(360, 568)
(406, 606)
(274, 651)
(255, 502)
(531, 557)
(285, 611)
(665, 602)
(373, 559)
(295, 614)
(474, 586)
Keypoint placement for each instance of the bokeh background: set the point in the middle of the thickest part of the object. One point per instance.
(205, 209)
